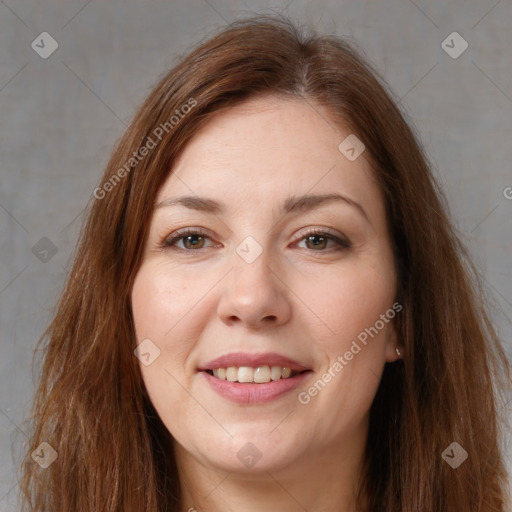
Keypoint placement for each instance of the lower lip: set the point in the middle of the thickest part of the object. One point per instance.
(249, 393)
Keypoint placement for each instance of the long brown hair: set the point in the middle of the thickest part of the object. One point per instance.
(91, 406)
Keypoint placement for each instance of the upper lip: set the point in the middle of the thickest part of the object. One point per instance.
(253, 360)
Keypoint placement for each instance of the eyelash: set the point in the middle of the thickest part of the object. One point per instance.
(169, 242)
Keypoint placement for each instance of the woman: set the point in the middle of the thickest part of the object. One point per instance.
(269, 308)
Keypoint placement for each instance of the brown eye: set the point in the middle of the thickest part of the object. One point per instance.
(192, 240)
(318, 240)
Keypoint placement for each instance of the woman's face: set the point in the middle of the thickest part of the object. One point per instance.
(279, 276)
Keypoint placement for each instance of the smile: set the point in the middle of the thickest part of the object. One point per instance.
(250, 392)
(259, 375)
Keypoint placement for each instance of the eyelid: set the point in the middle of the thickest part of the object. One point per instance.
(177, 235)
(341, 240)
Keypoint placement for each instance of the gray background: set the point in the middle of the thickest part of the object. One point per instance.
(62, 115)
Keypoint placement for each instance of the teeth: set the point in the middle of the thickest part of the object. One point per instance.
(245, 374)
(260, 375)
(276, 372)
(232, 374)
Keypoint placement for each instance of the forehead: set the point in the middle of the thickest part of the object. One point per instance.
(266, 149)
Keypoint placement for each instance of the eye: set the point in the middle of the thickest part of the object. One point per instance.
(192, 239)
(318, 240)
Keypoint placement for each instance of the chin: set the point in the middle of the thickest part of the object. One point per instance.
(255, 454)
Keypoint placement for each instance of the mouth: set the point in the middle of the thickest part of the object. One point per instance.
(254, 375)
(246, 378)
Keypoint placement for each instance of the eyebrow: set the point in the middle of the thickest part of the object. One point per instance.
(293, 204)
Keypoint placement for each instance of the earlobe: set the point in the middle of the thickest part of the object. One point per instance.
(394, 353)
(394, 350)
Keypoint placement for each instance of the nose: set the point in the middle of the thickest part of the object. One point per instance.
(254, 295)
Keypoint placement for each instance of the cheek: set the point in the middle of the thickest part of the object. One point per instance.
(353, 338)
(159, 302)
(159, 307)
(347, 302)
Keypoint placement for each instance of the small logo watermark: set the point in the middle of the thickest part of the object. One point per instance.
(351, 147)
(454, 455)
(249, 455)
(454, 45)
(45, 455)
(147, 352)
(44, 250)
(249, 249)
(44, 45)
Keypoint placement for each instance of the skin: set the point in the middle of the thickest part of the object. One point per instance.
(306, 299)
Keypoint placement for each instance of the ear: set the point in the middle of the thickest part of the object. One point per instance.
(392, 344)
